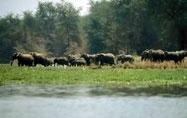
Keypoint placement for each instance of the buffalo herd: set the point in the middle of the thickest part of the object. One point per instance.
(31, 59)
(160, 55)
(34, 58)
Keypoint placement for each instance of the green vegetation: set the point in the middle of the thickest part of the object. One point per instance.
(108, 76)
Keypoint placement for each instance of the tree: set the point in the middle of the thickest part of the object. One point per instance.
(98, 26)
(67, 30)
(10, 34)
(172, 15)
(46, 15)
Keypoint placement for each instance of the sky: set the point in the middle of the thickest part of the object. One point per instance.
(18, 6)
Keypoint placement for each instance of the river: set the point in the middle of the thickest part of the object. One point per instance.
(78, 101)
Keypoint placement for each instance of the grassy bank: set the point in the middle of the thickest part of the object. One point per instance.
(108, 76)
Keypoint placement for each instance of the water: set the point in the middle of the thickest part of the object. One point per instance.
(92, 102)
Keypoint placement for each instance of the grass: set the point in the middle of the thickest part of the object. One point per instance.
(107, 76)
(138, 64)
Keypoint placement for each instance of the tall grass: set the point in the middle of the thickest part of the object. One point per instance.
(138, 64)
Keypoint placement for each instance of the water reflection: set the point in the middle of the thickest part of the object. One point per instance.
(93, 91)
(76, 101)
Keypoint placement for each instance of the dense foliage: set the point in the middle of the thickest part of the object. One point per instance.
(52, 30)
(117, 26)
(132, 26)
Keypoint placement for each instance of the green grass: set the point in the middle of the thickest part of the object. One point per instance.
(107, 76)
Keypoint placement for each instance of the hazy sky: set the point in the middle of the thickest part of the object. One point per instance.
(18, 6)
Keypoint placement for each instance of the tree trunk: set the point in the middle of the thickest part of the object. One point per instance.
(183, 38)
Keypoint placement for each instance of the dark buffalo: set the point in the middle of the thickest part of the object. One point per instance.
(177, 56)
(48, 62)
(77, 62)
(23, 59)
(182, 54)
(145, 56)
(61, 61)
(172, 56)
(89, 58)
(125, 58)
(157, 55)
(41, 59)
(107, 58)
(153, 55)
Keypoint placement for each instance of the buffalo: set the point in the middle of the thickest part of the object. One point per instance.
(23, 59)
(61, 61)
(125, 58)
(157, 55)
(41, 59)
(174, 56)
(153, 55)
(89, 58)
(146, 55)
(105, 58)
(78, 62)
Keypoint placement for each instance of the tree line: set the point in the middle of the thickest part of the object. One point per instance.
(116, 26)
